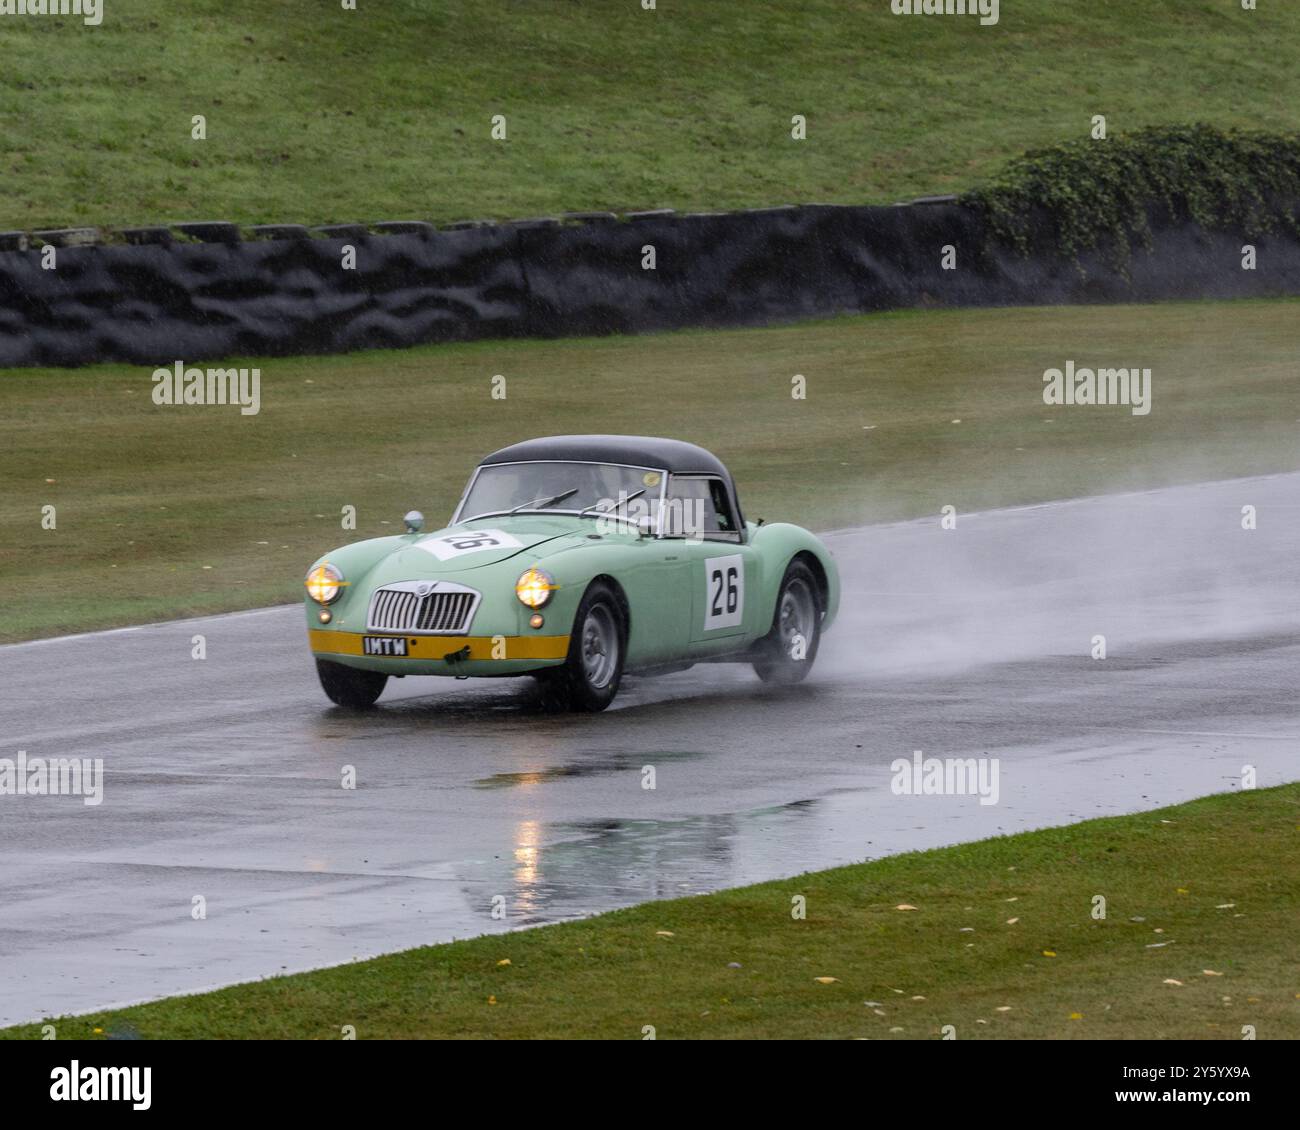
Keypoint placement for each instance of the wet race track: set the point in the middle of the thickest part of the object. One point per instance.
(223, 776)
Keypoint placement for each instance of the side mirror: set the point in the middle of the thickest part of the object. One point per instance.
(414, 522)
(645, 526)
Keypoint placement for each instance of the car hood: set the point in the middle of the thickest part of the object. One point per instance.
(475, 545)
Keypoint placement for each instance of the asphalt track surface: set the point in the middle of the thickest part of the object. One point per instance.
(223, 775)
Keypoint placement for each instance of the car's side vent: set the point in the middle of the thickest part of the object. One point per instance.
(423, 607)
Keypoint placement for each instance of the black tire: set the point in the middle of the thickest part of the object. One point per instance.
(349, 686)
(798, 613)
(590, 677)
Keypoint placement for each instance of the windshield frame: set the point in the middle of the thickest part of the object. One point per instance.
(458, 517)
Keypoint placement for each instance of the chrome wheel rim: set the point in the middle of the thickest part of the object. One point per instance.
(599, 646)
(798, 619)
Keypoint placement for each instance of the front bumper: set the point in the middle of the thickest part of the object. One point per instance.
(442, 655)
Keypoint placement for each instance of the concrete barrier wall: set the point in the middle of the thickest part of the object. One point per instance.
(156, 302)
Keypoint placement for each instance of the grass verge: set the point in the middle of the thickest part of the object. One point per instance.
(999, 939)
(315, 113)
(163, 512)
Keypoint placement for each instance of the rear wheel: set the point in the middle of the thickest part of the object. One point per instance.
(348, 686)
(592, 671)
(787, 652)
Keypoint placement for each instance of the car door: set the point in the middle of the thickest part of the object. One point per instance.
(723, 569)
(655, 580)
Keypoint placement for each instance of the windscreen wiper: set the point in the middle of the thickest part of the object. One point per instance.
(584, 513)
(544, 501)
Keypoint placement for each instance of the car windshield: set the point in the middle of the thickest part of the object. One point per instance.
(502, 487)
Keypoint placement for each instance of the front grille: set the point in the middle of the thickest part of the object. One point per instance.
(444, 609)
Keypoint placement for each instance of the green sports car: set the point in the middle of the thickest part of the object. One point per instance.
(574, 559)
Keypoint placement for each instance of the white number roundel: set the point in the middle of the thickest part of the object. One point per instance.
(446, 546)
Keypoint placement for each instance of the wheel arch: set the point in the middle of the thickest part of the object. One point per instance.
(624, 605)
(818, 570)
(782, 543)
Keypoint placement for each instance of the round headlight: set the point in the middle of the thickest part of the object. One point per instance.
(534, 587)
(324, 583)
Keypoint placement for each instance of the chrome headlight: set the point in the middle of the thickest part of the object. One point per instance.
(534, 587)
(325, 583)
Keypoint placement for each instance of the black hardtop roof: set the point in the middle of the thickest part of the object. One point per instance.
(637, 451)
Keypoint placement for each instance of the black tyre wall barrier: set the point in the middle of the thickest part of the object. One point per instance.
(155, 303)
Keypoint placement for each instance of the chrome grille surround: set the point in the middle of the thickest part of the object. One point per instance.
(423, 608)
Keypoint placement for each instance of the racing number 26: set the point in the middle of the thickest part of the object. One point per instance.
(724, 584)
(471, 541)
(724, 596)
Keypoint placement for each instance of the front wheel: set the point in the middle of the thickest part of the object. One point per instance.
(348, 686)
(786, 653)
(593, 669)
